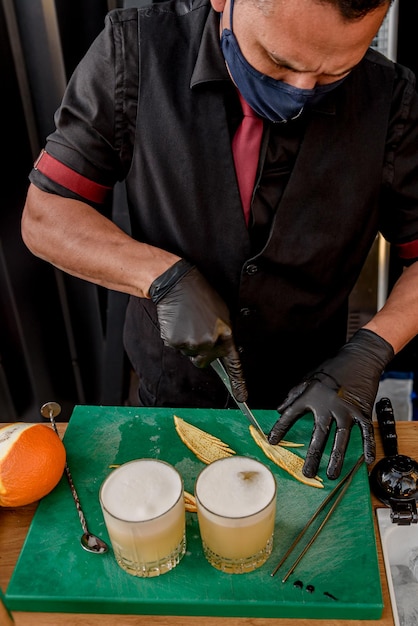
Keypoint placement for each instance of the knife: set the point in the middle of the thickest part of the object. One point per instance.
(243, 406)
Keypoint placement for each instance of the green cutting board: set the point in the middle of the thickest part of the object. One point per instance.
(338, 578)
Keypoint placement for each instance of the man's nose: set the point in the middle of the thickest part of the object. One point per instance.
(302, 81)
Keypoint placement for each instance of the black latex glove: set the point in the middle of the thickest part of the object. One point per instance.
(195, 320)
(343, 389)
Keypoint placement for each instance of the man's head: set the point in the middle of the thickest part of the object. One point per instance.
(304, 43)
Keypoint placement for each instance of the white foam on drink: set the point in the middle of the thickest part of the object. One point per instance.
(235, 487)
(141, 490)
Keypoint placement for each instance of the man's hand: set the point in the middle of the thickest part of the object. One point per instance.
(342, 390)
(195, 320)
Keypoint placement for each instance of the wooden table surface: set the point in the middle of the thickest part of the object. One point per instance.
(14, 524)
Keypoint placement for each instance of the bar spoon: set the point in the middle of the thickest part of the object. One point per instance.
(90, 542)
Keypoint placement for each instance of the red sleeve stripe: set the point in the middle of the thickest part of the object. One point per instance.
(408, 250)
(68, 178)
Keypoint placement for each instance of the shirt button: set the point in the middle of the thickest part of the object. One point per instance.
(251, 269)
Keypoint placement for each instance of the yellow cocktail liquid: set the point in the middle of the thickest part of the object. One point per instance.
(236, 504)
(143, 508)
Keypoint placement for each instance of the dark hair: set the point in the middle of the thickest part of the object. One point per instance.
(348, 9)
(354, 9)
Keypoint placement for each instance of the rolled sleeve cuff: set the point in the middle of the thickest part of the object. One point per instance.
(68, 178)
(408, 252)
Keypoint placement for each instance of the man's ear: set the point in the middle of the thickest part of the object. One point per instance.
(218, 5)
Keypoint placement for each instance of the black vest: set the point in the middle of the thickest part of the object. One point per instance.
(289, 302)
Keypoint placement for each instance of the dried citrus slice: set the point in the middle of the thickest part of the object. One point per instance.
(205, 446)
(190, 502)
(290, 462)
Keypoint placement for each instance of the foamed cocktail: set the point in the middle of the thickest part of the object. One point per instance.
(236, 507)
(143, 508)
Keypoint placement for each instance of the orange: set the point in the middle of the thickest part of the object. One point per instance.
(32, 460)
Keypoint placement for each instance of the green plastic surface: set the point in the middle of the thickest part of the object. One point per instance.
(54, 573)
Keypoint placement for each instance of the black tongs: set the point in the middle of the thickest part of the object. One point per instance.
(341, 487)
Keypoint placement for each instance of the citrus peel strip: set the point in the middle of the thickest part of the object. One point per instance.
(190, 502)
(205, 446)
(288, 461)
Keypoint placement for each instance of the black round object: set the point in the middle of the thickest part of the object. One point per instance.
(393, 479)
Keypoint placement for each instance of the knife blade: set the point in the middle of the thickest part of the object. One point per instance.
(243, 406)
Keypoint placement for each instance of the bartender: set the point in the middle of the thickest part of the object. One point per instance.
(244, 253)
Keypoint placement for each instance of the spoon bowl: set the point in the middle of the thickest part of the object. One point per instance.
(91, 543)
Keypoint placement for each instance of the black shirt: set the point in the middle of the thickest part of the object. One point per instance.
(328, 182)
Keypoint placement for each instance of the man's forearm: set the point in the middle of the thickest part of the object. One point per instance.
(80, 241)
(397, 320)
